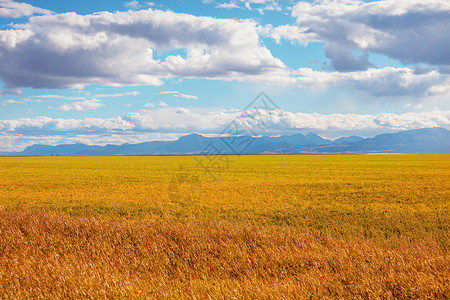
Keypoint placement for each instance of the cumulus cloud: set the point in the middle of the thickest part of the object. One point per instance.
(176, 120)
(171, 119)
(179, 120)
(411, 31)
(46, 125)
(12, 9)
(379, 82)
(291, 33)
(116, 49)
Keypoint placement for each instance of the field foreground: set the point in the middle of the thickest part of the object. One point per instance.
(265, 227)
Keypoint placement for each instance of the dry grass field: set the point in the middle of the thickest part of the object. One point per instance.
(294, 226)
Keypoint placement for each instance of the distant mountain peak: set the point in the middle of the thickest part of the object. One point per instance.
(191, 136)
(426, 140)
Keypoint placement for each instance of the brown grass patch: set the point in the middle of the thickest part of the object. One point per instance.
(53, 255)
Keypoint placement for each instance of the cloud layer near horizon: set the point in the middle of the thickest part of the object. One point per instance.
(167, 122)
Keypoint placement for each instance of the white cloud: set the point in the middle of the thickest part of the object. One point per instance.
(12, 9)
(180, 120)
(259, 5)
(82, 105)
(186, 96)
(9, 101)
(137, 5)
(166, 92)
(177, 94)
(229, 5)
(411, 31)
(288, 32)
(134, 93)
(132, 4)
(349, 122)
(378, 82)
(162, 104)
(117, 49)
(46, 125)
(417, 106)
(60, 97)
(172, 119)
(149, 104)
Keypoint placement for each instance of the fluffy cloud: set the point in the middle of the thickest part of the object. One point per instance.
(172, 119)
(379, 82)
(46, 125)
(12, 9)
(411, 31)
(291, 33)
(70, 50)
(180, 120)
(349, 122)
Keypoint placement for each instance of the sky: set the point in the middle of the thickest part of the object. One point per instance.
(112, 72)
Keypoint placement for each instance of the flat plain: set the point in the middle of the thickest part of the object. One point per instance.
(265, 226)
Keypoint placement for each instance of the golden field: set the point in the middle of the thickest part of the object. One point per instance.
(272, 226)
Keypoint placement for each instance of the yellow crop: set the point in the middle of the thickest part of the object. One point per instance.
(269, 226)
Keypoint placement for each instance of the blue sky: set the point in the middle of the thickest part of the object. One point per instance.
(108, 71)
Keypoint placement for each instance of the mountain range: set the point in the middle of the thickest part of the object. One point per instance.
(426, 140)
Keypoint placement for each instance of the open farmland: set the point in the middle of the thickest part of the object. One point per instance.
(303, 226)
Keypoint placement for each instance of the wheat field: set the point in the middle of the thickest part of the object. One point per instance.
(266, 226)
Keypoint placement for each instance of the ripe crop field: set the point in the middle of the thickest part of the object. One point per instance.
(269, 226)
